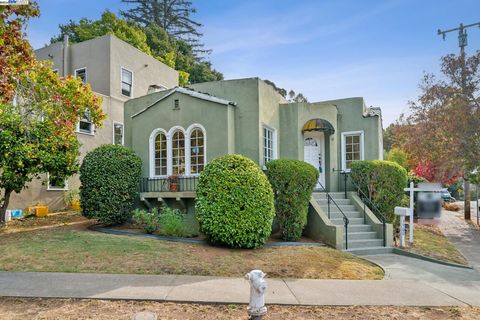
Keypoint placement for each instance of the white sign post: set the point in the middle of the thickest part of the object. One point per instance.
(402, 213)
(412, 190)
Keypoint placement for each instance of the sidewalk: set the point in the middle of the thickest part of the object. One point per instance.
(236, 290)
(463, 235)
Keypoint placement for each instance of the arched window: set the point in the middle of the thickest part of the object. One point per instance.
(178, 153)
(197, 151)
(160, 155)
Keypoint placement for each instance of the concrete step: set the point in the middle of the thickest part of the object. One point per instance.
(364, 243)
(340, 202)
(362, 235)
(323, 195)
(334, 208)
(352, 221)
(370, 251)
(349, 214)
(359, 228)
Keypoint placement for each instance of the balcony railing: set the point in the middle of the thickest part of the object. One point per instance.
(169, 184)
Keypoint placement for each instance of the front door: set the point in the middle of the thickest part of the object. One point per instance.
(313, 153)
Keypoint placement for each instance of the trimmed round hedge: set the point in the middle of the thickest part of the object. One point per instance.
(110, 176)
(383, 182)
(234, 204)
(293, 182)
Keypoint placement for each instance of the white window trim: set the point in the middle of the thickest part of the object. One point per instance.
(343, 146)
(50, 188)
(151, 157)
(274, 147)
(171, 132)
(113, 132)
(92, 130)
(188, 160)
(121, 82)
(86, 73)
(169, 135)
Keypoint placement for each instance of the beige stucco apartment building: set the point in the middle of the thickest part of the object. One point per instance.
(117, 72)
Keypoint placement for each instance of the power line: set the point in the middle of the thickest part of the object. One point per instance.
(462, 35)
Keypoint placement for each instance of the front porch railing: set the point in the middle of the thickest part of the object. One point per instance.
(169, 184)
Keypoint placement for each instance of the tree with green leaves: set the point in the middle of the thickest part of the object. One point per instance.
(152, 40)
(443, 128)
(173, 16)
(38, 111)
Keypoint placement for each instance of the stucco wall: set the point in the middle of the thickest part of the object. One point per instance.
(54, 53)
(212, 116)
(146, 70)
(245, 92)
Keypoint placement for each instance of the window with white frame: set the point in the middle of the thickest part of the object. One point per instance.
(82, 74)
(269, 145)
(127, 82)
(118, 133)
(56, 183)
(197, 151)
(178, 153)
(160, 154)
(352, 148)
(85, 124)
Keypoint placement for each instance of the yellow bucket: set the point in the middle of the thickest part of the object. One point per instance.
(38, 211)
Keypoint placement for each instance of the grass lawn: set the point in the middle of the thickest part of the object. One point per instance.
(73, 248)
(17, 308)
(430, 241)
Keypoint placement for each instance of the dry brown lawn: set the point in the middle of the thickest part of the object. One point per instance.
(431, 242)
(15, 308)
(69, 246)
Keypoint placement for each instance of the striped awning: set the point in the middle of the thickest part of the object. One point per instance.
(318, 125)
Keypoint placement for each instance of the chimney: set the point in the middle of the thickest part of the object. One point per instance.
(65, 55)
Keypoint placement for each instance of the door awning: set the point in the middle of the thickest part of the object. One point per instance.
(318, 125)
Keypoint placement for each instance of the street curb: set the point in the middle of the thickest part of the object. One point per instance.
(378, 265)
(117, 232)
(425, 258)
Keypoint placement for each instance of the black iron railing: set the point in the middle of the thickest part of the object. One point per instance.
(368, 202)
(331, 201)
(169, 184)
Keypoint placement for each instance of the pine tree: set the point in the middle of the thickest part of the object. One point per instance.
(174, 16)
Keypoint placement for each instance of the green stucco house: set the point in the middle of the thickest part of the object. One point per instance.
(178, 131)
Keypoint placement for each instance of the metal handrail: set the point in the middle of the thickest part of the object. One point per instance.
(165, 184)
(374, 209)
(346, 221)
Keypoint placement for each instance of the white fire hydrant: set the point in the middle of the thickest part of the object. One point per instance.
(256, 308)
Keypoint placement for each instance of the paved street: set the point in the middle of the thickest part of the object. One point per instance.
(236, 290)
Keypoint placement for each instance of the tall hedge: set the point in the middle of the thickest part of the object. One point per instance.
(293, 182)
(383, 182)
(110, 177)
(234, 204)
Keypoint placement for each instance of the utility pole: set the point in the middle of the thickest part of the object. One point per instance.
(462, 43)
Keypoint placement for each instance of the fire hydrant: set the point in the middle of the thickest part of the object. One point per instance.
(256, 308)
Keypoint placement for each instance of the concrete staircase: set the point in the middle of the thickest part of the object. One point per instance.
(362, 239)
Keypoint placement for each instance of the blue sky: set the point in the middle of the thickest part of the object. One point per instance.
(325, 49)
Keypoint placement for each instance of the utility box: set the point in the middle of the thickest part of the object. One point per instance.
(429, 203)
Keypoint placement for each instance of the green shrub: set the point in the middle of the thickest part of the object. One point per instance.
(292, 182)
(383, 182)
(110, 176)
(173, 223)
(149, 221)
(234, 202)
(166, 221)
